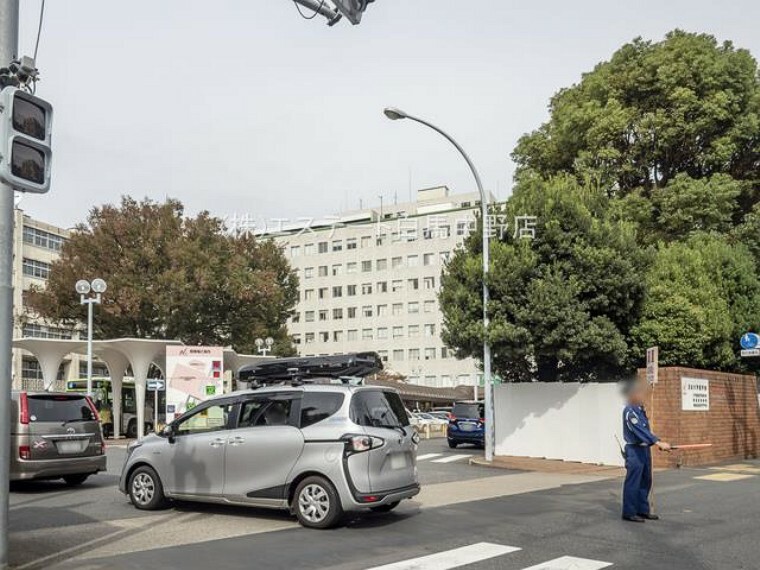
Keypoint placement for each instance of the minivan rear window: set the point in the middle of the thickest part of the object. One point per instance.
(318, 406)
(377, 408)
(59, 409)
(470, 411)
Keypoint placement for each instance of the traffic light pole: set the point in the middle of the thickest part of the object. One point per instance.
(8, 52)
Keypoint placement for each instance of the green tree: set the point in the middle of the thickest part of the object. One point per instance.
(685, 105)
(702, 294)
(173, 276)
(563, 303)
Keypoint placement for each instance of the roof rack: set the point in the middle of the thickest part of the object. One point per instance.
(341, 368)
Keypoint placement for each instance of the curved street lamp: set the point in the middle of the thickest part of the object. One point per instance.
(395, 114)
(83, 287)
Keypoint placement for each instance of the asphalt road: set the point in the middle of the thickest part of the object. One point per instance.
(707, 524)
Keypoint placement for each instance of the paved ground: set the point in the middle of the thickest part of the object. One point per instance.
(467, 516)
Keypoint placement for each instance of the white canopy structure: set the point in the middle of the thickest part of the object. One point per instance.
(118, 355)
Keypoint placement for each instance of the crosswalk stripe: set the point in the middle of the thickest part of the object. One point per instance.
(452, 558)
(571, 563)
(428, 456)
(450, 459)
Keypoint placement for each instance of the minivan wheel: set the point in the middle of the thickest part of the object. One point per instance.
(145, 489)
(316, 503)
(78, 479)
(385, 508)
(132, 429)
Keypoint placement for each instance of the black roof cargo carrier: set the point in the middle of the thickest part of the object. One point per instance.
(303, 368)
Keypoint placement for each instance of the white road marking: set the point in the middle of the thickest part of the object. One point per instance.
(571, 563)
(451, 558)
(450, 459)
(428, 456)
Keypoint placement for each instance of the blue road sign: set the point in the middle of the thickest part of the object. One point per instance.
(750, 340)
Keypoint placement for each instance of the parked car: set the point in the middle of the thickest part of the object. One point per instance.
(316, 450)
(55, 435)
(467, 424)
(424, 418)
(441, 415)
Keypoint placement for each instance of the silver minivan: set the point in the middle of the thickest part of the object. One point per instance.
(318, 450)
(55, 435)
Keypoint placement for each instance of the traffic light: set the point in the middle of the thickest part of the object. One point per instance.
(25, 133)
(352, 9)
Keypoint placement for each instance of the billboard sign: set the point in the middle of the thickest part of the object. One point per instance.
(193, 374)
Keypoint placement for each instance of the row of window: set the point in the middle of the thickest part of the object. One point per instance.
(398, 355)
(367, 266)
(442, 231)
(34, 268)
(381, 333)
(41, 238)
(397, 286)
(42, 331)
(365, 311)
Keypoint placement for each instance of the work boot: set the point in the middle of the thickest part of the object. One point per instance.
(649, 517)
(634, 518)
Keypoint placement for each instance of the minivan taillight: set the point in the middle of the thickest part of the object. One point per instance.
(360, 443)
(24, 452)
(23, 407)
(95, 413)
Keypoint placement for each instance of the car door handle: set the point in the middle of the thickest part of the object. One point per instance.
(218, 442)
(237, 440)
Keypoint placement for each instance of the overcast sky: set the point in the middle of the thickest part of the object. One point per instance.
(242, 107)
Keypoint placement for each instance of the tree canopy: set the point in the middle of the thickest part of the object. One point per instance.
(172, 276)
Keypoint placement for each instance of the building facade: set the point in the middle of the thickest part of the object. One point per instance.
(36, 245)
(369, 281)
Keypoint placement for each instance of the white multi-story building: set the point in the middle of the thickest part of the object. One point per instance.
(369, 281)
(36, 245)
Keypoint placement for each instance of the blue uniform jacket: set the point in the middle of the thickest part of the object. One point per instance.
(636, 427)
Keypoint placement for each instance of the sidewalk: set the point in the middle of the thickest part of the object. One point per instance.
(550, 466)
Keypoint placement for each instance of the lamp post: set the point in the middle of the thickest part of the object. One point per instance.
(395, 115)
(264, 346)
(83, 287)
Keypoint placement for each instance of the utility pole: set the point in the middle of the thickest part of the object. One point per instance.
(8, 52)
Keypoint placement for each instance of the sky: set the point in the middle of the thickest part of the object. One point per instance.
(243, 108)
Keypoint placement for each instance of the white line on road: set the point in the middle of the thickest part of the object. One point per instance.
(451, 558)
(428, 456)
(571, 563)
(450, 459)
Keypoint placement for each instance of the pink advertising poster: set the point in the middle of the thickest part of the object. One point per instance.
(193, 374)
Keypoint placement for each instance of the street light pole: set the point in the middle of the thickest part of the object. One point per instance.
(83, 287)
(8, 52)
(395, 115)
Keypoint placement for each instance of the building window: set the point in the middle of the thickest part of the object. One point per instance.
(382, 286)
(337, 292)
(309, 338)
(323, 247)
(41, 238)
(98, 369)
(41, 331)
(412, 260)
(353, 335)
(445, 256)
(337, 314)
(383, 354)
(397, 262)
(308, 316)
(323, 315)
(295, 251)
(308, 249)
(382, 310)
(351, 267)
(414, 331)
(351, 290)
(398, 332)
(444, 352)
(323, 270)
(366, 334)
(34, 268)
(463, 228)
(366, 241)
(414, 354)
(428, 259)
(337, 269)
(381, 239)
(308, 294)
(351, 312)
(296, 338)
(324, 336)
(337, 245)
(351, 243)
(296, 318)
(397, 286)
(430, 381)
(398, 355)
(382, 333)
(429, 354)
(429, 283)
(429, 306)
(366, 288)
(414, 284)
(308, 272)
(337, 336)
(413, 308)
(322, 293)
(429, 331)
(367, 311)
(381, 264)
(366, 266)
(397, 309)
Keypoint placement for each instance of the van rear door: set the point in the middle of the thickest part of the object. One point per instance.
(61, 425)
(381, 413)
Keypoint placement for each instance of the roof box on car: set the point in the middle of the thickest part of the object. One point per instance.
(305, 368)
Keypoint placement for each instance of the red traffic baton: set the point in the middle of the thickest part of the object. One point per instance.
(692, 446)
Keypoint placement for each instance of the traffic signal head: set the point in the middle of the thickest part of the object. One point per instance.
(352, 9)
(25, 135)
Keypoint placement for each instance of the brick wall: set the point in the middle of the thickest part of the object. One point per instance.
(732, 424)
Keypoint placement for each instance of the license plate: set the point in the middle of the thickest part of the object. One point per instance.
(398, 461)
(68, 447)
(467, 426)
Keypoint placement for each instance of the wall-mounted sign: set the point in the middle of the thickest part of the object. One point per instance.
(193, 374)
(653, 358)
(695, 394)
